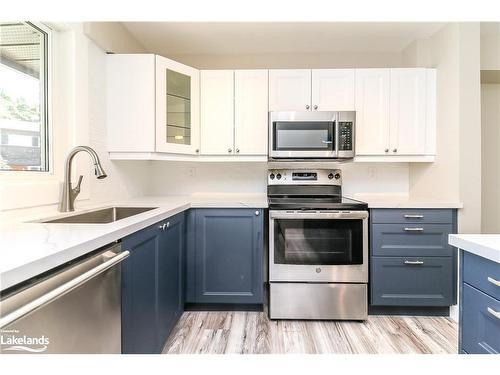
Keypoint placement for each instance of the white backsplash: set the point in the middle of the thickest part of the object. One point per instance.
(180, 178)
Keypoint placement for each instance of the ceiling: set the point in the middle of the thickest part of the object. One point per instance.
(222, 38)
(20, 46)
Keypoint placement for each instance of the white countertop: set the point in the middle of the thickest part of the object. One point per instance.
(404, 201)
(484, 245)
(31, 248)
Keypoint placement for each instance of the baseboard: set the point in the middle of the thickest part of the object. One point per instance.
(223, 307)
(409, 310)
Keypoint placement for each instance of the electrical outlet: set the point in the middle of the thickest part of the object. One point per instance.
(372, 172)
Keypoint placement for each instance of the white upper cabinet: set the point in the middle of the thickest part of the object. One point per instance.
(234, 112)
(152, 105)
(372, 111)
(333, 89)
(408, 112)
(177, 107)
(250, 112)
(289, 89)
(217, 112)
(130, 101)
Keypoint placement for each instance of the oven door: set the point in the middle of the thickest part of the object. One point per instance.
(302, 135)
(325, 246)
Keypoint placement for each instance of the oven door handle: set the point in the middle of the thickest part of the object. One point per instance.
(337, 215)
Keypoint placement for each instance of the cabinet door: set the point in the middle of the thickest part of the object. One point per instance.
(139, 292)
(217, 112)
(130, 102)
(412, 281)
(170, 289)
(250, 112)
(408, 112)
(177, 107)
(333, 89)
(372, 111)
(228, 259)
(480, 322)
(289, 90)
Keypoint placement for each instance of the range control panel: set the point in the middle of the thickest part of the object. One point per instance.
(304, 177)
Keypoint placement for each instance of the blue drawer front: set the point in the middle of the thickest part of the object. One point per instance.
(480, 328)
(411, 239)
(395, 283)
(414, 216)
(477, 270)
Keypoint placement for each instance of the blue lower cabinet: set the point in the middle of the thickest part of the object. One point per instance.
(481, 328)
(411, 262)
(170, 276)
(479, 319)
(152, 288)
(225, 261)
(412, 281)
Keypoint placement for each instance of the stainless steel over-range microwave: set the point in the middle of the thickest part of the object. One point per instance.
(311, 135)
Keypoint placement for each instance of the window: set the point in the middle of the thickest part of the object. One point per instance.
(23, 97)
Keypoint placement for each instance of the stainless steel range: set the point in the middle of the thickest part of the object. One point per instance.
(318, 247)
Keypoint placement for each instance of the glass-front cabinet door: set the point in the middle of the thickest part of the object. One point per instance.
(177, 107)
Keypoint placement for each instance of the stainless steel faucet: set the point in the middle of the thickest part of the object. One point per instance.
(69, 194)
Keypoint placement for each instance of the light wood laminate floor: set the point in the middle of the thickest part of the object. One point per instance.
(254, 333)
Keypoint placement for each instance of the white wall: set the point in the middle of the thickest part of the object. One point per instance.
(344, 59)
(112, 37)
(490, 151)
(456, 173)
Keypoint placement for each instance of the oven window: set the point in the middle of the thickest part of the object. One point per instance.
(318, 241)
(303, 136)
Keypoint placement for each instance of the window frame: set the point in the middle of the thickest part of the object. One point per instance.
(46, 147)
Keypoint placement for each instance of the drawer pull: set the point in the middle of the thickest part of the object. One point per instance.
(493, 281)
(414, 229)
(408, 216)
(414, 262)
(496, 314)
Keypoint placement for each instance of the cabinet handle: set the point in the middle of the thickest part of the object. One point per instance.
(197, 150)
(315, 107)
(496, 314)
(395, 150)
(237, 150)
(386, 150)
(414, 229)
(168, 224)
(493, 281)
(162, 227)
(408, 216)
(229, 150)
(307, 106)
(257, 213)
(414, 262)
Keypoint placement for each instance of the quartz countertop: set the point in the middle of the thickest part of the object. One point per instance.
(29, 248)
(404, 201)
(483, 245)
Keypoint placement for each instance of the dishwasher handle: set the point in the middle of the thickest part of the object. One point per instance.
(62, 289)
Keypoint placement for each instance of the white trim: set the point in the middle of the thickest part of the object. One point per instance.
(45, 113)
(179, 157)
(395, 159)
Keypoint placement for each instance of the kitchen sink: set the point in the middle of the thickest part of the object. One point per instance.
(100, 216)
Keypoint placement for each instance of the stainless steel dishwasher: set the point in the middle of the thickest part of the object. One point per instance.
(73, 309)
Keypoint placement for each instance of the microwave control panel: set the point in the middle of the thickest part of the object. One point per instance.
(345, 135)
